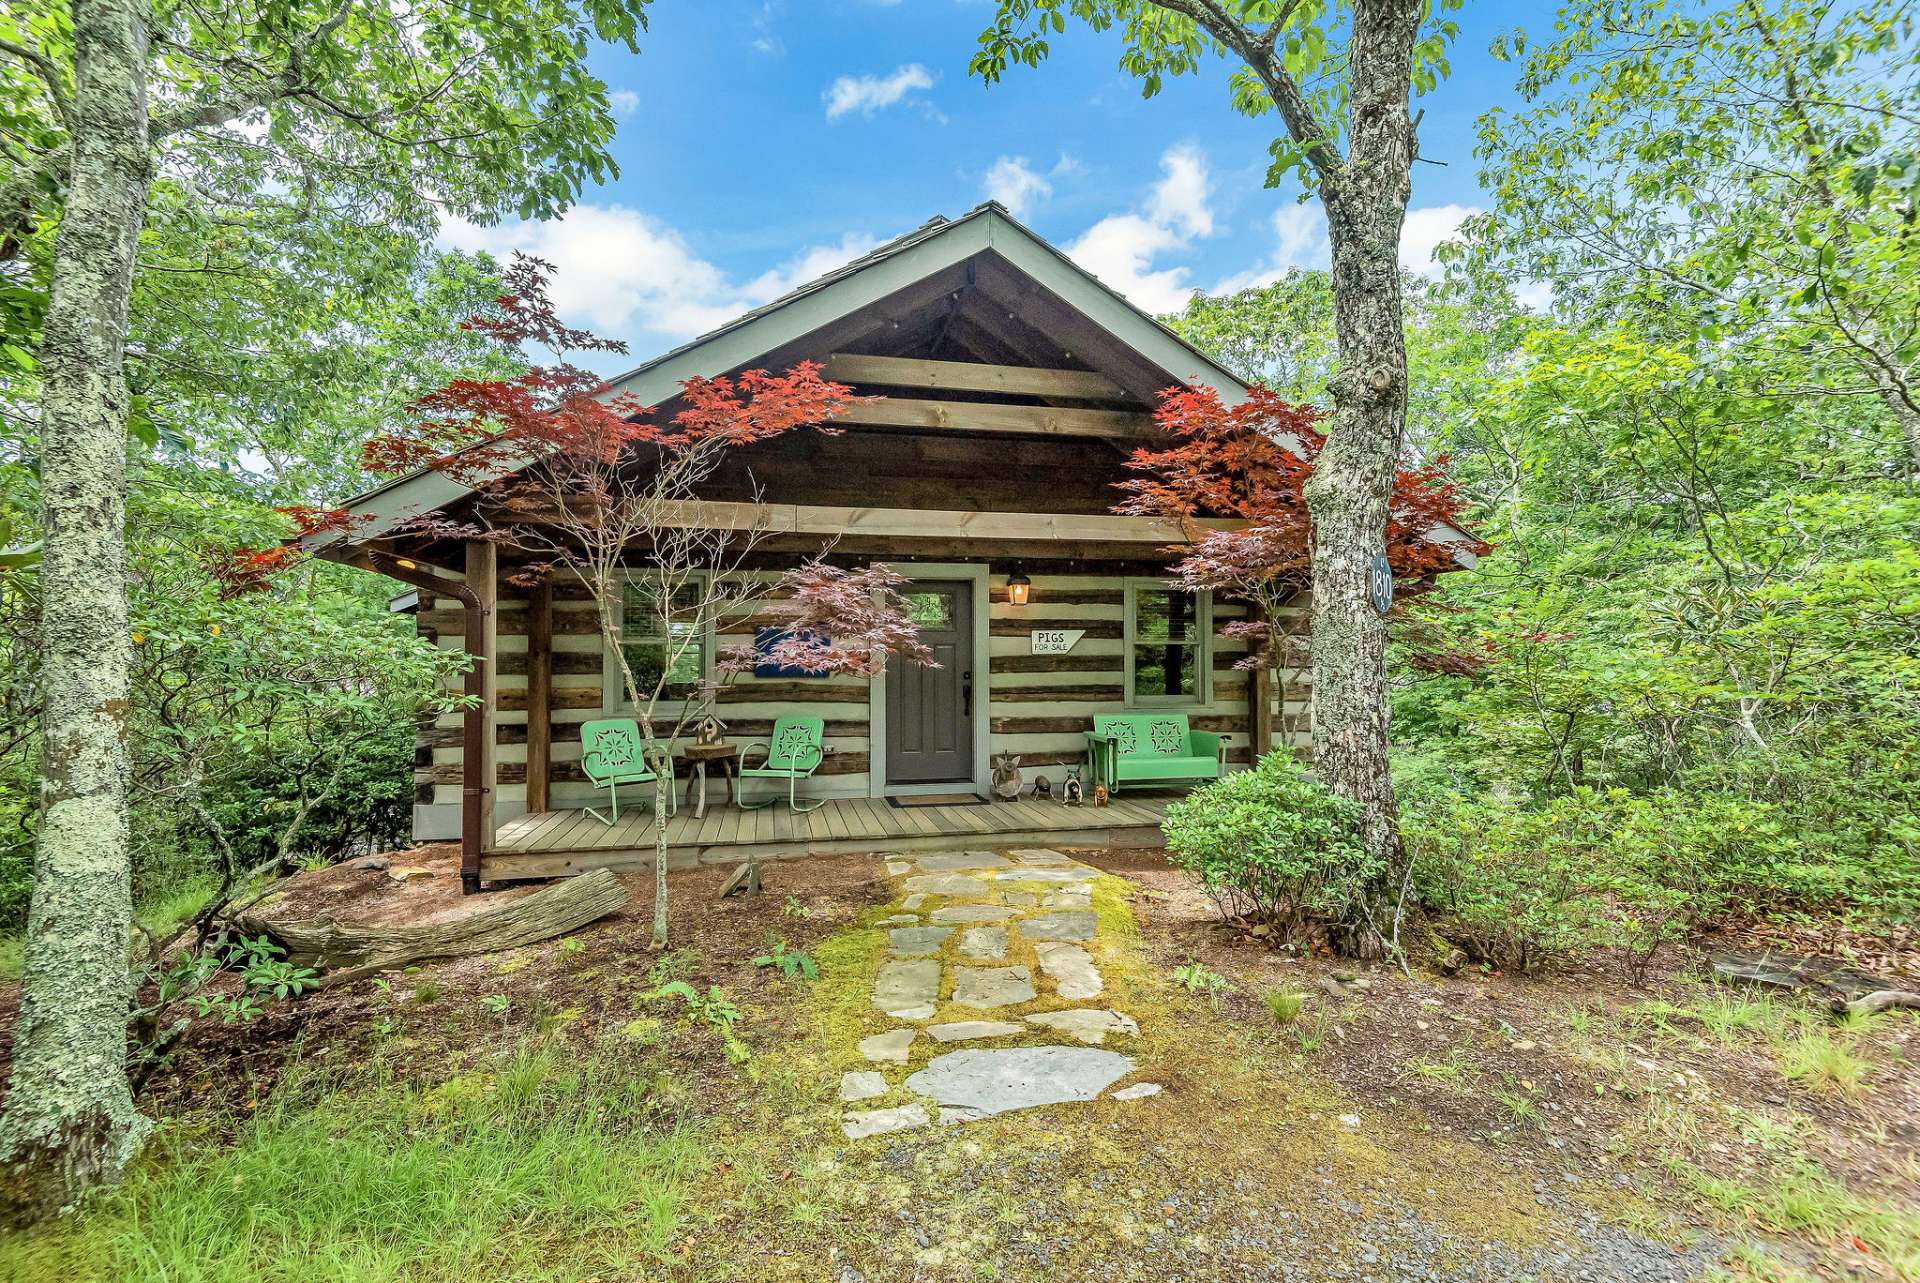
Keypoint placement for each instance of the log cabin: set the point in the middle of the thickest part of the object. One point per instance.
(1012, 386)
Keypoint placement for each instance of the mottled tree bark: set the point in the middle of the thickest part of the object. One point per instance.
(70, 1121)
(1352, 483)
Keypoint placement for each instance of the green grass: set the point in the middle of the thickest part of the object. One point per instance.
(1818, 1060)
(1284, 1004)
(550, 1167)
(160, 914)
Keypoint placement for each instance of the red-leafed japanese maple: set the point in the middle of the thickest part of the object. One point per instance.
(594, 486)
(1250, 463)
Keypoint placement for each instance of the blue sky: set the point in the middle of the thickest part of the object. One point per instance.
(762, 142)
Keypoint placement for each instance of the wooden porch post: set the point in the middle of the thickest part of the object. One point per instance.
(1260, 704)
(539, 695)
(477, 773)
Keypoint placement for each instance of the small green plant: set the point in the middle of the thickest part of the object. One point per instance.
(1451, 1069)
(265, 976)
(794, 909)
(498, 1004)
(1195, 977)
(426, 993)
(1284, 1004)
(792, 962)
(674, 964)
(713, 1009)
(573, 944)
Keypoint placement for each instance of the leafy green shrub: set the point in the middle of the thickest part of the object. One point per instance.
(1270, 844)
(1526, 885)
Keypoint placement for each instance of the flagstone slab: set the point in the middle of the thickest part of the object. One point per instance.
(896, 867)
(1039, 856)
(1076, 873)
(908, 990)
(965, 1030)
(978, 1082)
(910, 942)
(1065, 925)
(992, 986)
(1071, 969)
(954, 861)
(963, 913)
(890, 1047)
(1065, 900)
(901, 920)
(914, 901)
(1089, 1026)
(957, 885)
(1139, 1091)
(1020, 899)
(862, 1084)
(878, 1122)
(983, 944)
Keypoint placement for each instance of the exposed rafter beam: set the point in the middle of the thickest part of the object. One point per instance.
(970, 376)
(979, 416)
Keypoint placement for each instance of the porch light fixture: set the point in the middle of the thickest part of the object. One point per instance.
(1019, 587)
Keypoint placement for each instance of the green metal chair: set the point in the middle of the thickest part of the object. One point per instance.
(612, 753)
(794, 753)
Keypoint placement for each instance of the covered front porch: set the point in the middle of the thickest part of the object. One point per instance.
(555, 843)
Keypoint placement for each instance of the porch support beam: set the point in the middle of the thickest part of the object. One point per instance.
(913, 523)
(990, 416)
(477, 783)
(973, 376)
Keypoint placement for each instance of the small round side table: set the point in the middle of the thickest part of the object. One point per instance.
(698, 756)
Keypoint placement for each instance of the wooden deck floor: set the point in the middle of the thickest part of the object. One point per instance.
(551, 843)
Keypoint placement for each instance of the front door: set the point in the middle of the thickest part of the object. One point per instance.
(930, 710)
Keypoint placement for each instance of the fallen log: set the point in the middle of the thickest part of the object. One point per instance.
(551, 911)
(1879, 1000)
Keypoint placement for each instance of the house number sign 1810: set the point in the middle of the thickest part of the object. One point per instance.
(1056, 641)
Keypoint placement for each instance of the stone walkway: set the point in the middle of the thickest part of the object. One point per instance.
(988, 948)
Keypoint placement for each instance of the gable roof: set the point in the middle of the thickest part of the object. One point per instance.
(935, 245)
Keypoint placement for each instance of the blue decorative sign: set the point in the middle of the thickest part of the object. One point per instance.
(765, 640)
(1380, 583)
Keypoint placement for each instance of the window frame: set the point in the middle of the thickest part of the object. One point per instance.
(613, 694)
(1202, 644)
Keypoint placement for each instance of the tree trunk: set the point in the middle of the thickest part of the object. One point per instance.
(663, 782)
(1352, 483)
(70, 1121)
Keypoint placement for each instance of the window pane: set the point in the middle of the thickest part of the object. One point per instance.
(646, 660)
(1161, 614)
(643, 617)
(1169, 669)
(929, 609)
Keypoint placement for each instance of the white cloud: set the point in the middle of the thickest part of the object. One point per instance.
(868, 94)
(1425, 229)
(1180, 197)
(626, 275)
(1121, 248)
(624, 102)
(1012, 182)
(1067, 167)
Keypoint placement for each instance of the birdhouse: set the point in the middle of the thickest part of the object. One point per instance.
(709, 730)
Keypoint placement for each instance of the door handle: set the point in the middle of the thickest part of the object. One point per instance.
(966, 694)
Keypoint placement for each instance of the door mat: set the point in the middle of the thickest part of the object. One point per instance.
(938, 799)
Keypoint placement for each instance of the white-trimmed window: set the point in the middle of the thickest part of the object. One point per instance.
(675, 642)
(1169, 647)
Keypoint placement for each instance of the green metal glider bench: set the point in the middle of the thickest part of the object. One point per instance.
(794, 753)
(1144, 748)
(613, 754)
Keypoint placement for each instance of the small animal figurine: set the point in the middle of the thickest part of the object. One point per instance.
(1099, 795)
(1006, 777)
(1042, 789)
(1070, 787)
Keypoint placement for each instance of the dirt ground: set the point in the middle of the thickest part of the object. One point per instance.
(1474, 1126)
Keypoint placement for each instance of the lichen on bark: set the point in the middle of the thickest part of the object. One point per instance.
(70, 1121)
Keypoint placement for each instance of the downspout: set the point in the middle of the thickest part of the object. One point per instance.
(473, 791)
